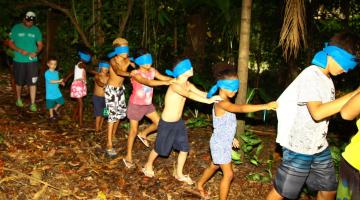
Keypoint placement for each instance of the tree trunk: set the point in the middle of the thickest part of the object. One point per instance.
(72, 19)
(124, 19)
(196, 40)
(243, 59)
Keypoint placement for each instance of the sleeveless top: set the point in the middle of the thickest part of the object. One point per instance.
(224, 128)
(142, 94)
(79, 73)
(352, 150)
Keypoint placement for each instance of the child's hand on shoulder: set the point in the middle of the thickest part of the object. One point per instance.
(215, 99)
(271, 105)
(236, 143)
(171, 81)
(133, 73)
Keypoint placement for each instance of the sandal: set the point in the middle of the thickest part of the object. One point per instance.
(111, 152)
(186, 179)
(128, 164)
(147, 173)
(143, 140)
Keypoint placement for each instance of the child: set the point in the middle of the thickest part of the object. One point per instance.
(78, 87)
(115, 91)
(224, 122)
(303, 113)
(54, 98)
(98, 98)
(140, 103)
(349, 174)
(171, 130)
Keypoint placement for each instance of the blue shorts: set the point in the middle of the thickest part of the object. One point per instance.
(99, 105)
(316, 171)
(171, 135)
(51, 103)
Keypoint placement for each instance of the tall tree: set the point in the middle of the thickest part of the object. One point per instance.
(243, 59)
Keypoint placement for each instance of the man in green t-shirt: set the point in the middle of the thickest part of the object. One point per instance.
(26, 41)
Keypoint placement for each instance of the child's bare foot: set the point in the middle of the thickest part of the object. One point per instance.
(203, 193)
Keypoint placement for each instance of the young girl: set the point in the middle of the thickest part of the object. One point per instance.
(78, 86)
(140, 102)
(224, 123)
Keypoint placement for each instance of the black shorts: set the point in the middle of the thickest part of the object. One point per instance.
(26, 73)
(99, 105)
(171, 135)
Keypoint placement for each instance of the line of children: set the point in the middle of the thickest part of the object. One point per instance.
(304, 109)
(224, 123)
(140, 102)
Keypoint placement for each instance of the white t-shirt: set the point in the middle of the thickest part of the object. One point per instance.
(297, 130)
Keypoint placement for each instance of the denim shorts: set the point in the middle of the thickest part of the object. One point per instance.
(171, 135)
(316, 171)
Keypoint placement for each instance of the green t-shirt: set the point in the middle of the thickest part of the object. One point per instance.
(25, 38)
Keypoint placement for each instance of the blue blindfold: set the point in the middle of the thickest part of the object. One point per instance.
(231, 85)
(180, 68)
(145, 59)
(104, 65)
(119, 50)
(346, 60)
(84, 56)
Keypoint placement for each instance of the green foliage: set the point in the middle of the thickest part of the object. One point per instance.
(1, 138)
(197, 122)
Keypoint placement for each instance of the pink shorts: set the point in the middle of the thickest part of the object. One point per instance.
(78, 89)
(137, 112)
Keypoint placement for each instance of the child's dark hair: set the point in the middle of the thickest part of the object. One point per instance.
(223, 71)
(52, 57)
(140, 52)
(347, 41)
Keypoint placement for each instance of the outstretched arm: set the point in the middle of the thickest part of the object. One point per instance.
(245, 108)
(320, 111)
(197, 91)
(151, 83)
(118, 71)
(352, 108)
(98, 81)
(191, 95)
(161, 77)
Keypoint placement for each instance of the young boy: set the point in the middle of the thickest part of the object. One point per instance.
(115, 91)
(54, 98)
(171, 129)
(101, 79)
(303, 113)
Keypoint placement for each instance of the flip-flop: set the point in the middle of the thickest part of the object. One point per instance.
(143, 140)
(147, 173)
(128, 164)
(186, 179)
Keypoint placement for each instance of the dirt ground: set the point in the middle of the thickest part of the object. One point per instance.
(43, 160)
